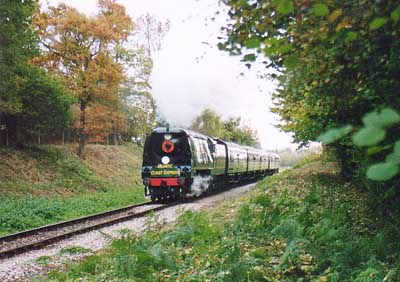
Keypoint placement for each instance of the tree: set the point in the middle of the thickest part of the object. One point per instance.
(138, 103)
(153, 32)
(79, 50)
(30, 100)
(211, 124)
(336, 61)
(240, 134)
(17, 44)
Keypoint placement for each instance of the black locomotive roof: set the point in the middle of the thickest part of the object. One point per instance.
(180, 130)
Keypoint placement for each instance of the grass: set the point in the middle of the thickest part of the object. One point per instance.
(74, 250)
(305, 224)
(44, 260)
(43, 185)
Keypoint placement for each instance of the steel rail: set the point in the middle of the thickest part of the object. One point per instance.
(34, 245)
(23, 248)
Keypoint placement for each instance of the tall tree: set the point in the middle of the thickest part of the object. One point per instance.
(30, 100)
(17, 44)
(136, 56)
(80, 50)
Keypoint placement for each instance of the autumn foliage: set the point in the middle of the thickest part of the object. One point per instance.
(80, 50)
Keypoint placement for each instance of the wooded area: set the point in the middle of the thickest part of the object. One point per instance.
(68, 77)
(338, 65)
(71, 78)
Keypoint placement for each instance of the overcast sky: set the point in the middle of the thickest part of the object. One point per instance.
(190, 73)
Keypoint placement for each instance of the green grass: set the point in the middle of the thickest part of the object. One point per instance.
(43, 185)
(21, 213)
(44, 260)
(74, 250)
(317, 228)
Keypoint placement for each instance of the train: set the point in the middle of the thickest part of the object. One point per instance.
(179, 163)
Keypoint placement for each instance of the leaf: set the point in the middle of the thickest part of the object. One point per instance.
(334, 15)
(395, 15)
(382, 171)
(395, 156)
(376, 149)
(396, 147)
(386, 118)
(369, 136)
(334, 134)
(242, 3)
(291, 62)
(249, 58)
(285, 6)
(252, 43)
(350, 36)
(377, 23)
(320, 10)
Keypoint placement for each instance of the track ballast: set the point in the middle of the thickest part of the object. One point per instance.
(37, 238)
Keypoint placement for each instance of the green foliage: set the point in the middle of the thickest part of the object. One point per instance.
(18, 44)
(211, 124)
(73, 190)
(369, 136)
(302, 225)
(73, 250)
(43, 260)
(284, 6)
(378, 23)
(45, 103)
(334, 134)
(320, 9)
(335, 61)
(382, 171)
(374, 131)
(385, 118)
(29, 97)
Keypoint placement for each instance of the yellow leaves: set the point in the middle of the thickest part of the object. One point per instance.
(343, 24)
(79, 49)
(334, 15)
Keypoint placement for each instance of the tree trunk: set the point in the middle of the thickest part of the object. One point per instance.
(81, 130)
(11, 133)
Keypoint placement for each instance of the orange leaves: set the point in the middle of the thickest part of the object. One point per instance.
(101, 121)
(79, 49)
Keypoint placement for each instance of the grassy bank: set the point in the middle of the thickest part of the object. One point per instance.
(305, 224)
(42, 185)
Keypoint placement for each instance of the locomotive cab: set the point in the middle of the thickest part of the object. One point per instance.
(166, 169)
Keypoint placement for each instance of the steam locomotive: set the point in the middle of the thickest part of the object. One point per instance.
(178, 163)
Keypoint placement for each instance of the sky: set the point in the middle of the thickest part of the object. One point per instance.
(191, 74)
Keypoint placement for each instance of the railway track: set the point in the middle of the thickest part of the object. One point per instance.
(37, 238)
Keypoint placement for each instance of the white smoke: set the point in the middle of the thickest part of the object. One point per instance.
(200, 185)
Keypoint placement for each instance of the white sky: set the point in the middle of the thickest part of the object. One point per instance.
(190, 75)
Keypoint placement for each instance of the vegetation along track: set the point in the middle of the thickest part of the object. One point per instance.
(25, 241)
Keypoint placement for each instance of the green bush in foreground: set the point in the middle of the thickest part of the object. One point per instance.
(298, 226)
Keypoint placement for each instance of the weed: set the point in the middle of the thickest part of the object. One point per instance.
(74, 250)
(43, 260)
